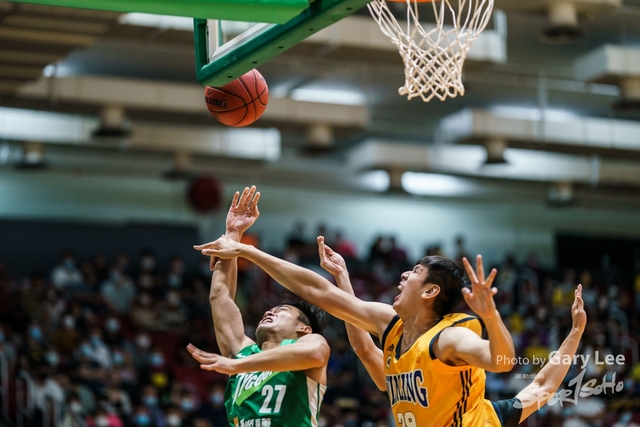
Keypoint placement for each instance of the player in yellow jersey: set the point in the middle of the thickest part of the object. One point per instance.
(416, 334)
(509, 412)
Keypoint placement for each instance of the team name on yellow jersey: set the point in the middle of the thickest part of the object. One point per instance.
(408, 387)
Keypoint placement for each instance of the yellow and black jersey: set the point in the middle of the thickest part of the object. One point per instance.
(426, 392)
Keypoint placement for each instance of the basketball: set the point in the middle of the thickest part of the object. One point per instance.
(240, 102)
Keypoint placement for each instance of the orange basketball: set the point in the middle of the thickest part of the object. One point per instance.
(240, 102)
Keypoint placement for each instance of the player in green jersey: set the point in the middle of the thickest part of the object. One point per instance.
(280, 380)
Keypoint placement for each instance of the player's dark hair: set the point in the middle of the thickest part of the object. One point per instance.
(450, 276)
(310, 315)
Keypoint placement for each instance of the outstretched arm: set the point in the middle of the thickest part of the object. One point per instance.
(547, 381)
(227, 319)
(362, 343)
(310, 351)
(373, 317)
(461, 345)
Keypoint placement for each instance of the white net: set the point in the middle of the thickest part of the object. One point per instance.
(433, 57)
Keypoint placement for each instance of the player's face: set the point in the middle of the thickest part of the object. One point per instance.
(283, 318)
(410, 288)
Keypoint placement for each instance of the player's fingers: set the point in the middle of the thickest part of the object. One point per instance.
(212, 252)
(494, 291)
(252, 192)
(234, 202)
(466, 293)
(320, 240)
(212, 263)
(491, 277)
(470, 272)
(254, 202)
(203, 246)
(243, 197)
(208, 367)
(480, 268)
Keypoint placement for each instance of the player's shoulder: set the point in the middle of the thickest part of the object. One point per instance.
(248, 350)
(311, 338)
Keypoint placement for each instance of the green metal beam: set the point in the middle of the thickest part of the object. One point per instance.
(272, 41)
(274, 11)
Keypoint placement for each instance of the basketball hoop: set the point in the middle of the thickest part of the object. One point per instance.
(433, 58)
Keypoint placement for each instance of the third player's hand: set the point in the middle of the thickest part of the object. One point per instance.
(224, 248)
(243, 211)
(212, 361)
(578, 315)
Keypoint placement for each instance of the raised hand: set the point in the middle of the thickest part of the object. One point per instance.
(578, 314)
(212, 361)
(480, 297)
(331, 261)
(222, 248)
(243, 211)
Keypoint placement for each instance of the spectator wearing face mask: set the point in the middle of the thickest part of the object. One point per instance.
(175, 418)
(112, 331)
(213, 408)
(147, 262)
(34, 344)
(66, 338)
(103, 418)
(189, 405)
(141, 352)
(66, 273)
(52, 357)
(123, 366)
(176, 273)
(101, 353)
(144, 314)
(150, 399)
(118, 291)
(74, 412)
(142, 418)
(173, 313)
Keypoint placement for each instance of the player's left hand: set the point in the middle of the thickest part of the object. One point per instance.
(578, 315)
(222, 248)
(480, 297)
(212, 361)
(331, 261)
(243, 211)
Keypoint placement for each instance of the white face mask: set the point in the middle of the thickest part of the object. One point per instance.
(174, 420)
(75, 407)
(102, 421)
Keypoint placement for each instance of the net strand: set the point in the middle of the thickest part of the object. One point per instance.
(433, 58)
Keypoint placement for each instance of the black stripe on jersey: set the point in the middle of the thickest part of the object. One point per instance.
(461, 407)
(432, 353)
(386, 331)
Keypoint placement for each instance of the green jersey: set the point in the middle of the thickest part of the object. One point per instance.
(272, 399)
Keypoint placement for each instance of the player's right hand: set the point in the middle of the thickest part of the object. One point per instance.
(331, 261)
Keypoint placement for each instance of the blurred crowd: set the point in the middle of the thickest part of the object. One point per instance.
(102, 342)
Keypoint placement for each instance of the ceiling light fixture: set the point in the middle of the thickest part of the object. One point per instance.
(431, 184)
(328, 96)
